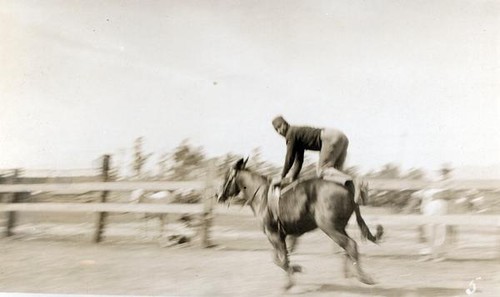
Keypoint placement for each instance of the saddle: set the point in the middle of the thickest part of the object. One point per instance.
(356, 185)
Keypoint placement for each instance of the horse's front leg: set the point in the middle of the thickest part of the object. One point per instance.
(281, 255)
(291, 242)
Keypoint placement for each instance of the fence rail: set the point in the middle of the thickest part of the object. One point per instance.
(208, 209)
(102, 207)
(402, 184)
(178, 208)
(102, 186)
(376, 184)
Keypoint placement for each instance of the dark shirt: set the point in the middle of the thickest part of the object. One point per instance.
(299, 139)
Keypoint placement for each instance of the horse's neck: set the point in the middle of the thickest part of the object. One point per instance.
(255, 189)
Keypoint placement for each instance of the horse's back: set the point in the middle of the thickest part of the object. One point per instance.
(312, 197)
(332, 197)
(311, 189)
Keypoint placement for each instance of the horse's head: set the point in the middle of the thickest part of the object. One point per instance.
(230, 187)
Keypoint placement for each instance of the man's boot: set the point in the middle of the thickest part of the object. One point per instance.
(356, 183)
(360, 191)
(334, 175)
(277, 191)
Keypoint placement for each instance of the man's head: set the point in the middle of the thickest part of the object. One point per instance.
(280, 125)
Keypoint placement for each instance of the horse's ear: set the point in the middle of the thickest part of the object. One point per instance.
(240, 164)
(245, 162)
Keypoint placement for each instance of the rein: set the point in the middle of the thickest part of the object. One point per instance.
(253, 198)
(264, 203)
(249, 201)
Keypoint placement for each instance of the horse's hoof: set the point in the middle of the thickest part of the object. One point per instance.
(296, 268)
(380, 233)
(288, 286)
(366, 280)
(348, 274)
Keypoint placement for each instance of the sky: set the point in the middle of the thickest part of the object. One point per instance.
(415, 83)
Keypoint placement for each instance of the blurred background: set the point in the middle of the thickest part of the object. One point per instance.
(119, 119)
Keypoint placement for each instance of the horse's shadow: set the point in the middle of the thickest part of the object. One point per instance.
(380, 291)
(416, 258)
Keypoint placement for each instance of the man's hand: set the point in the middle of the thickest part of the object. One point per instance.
(279, 182)
(276, 182)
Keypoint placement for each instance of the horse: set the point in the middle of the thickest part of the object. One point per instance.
(313, 203)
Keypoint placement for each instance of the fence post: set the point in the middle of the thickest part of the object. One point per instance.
(422, 236)
(208, 203)
(498, 239)
(451, 234)
(12, 198)
(101, 216)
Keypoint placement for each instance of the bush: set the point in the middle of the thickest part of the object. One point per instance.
(190, 196)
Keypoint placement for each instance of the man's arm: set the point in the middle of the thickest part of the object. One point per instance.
(290, 156)
(297, 166)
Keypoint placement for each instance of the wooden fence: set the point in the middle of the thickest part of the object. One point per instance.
(124, 186)
(13, 190)
(207, 209)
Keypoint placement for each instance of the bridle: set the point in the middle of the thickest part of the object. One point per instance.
(232, 179)
(249, 201)
(229, 180)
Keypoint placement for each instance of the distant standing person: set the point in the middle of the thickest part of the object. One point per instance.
(332, 146)
(434, 202)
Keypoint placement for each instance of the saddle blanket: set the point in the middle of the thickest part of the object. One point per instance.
(329, 174)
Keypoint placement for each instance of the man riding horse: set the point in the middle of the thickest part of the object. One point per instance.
(314, 203)
(332, 146)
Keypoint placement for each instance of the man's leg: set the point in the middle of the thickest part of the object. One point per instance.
(333, 153)
(334, 143)
(332, 158)
(342, 148)
(325, 156)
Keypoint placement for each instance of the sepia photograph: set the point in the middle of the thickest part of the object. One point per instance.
(241, 148)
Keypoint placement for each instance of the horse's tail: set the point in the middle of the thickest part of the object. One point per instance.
(365, 231)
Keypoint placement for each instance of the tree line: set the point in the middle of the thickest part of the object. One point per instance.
(189, 162)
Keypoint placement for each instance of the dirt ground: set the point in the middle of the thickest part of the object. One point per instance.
(239, 265)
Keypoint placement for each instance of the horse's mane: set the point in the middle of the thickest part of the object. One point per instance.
(261, 176)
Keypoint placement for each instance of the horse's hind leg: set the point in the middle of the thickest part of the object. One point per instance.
(281, 256)
(350, 246)
(347, 268)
